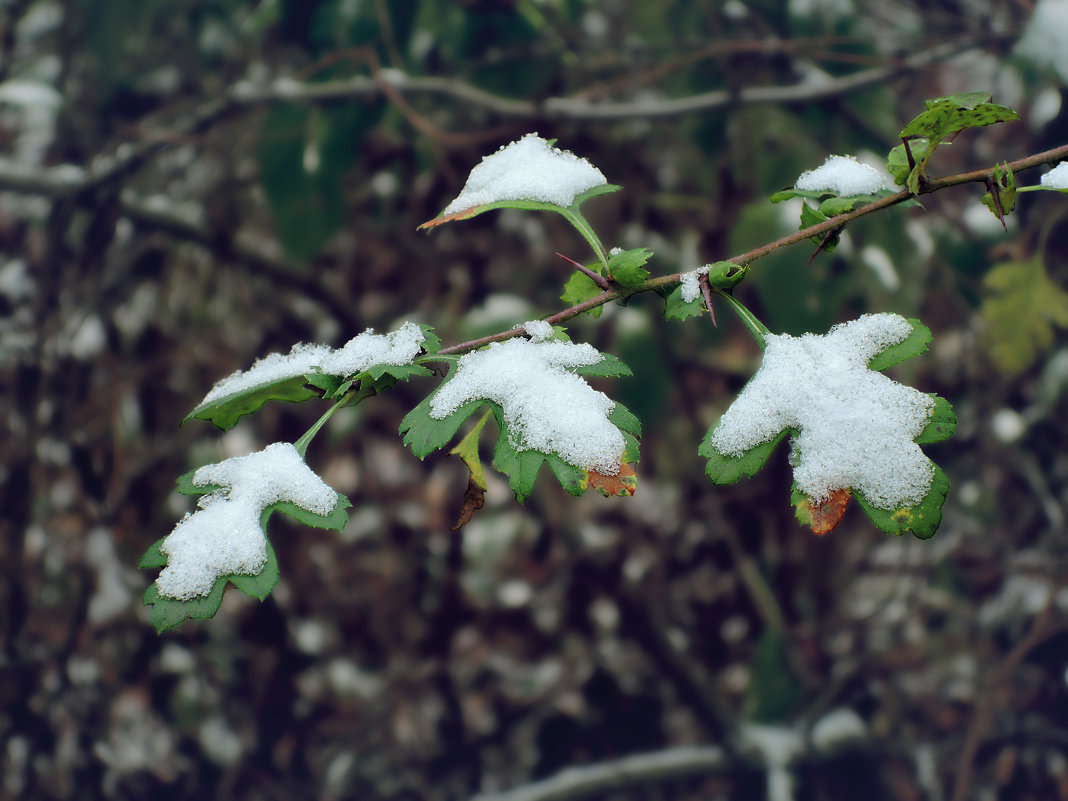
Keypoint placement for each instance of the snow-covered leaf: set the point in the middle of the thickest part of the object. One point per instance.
(381, 359)
(851, 428)
(225, 540)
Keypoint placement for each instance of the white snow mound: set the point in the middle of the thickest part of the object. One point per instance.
(856, 425)
(527, 169)
(223, 537)
(844, 175)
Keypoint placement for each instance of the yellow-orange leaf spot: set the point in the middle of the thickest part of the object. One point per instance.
(827, 514)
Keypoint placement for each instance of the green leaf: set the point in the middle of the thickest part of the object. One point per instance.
(626, 268)
(573, 479)
(942, 424)
(153, 557)
(623, 419)
(726, 274)
(580, 288)
(425, 434)
(897, 162)
(944, 116)
(921, 520)
(810, 217)
(678, 309)
(833, 206)
(948, 115)
(723, 469)
(790, 193)
(224, 412)
(521, 466)
(524, 205)
(167, 613)
(608, 367)
(1020, 308)
(913, 345)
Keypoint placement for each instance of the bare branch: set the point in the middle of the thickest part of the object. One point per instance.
(604, 777)
(573, 108)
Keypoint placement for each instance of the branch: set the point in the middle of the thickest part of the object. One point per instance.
(570, 108)
(604, 777)
(666, 281)
(245, 250)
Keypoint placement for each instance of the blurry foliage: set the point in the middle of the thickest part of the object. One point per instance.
(398, 660)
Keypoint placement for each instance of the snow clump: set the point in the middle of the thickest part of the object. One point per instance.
(538, 330)
(855, 426)
(362, 351)
(844, 175)
(527, 169)
(546, 408)
(223, 537)
(1057, 178)
(690, 283)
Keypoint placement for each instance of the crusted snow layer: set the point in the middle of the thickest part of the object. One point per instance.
(224, 537)
(856, 425)
(527, 169)
(546, 408)
(690, 283)
(844, 175)
(1057, 178)
(538, 330)
(359, 353)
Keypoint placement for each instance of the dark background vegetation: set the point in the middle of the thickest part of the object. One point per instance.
(169, 212)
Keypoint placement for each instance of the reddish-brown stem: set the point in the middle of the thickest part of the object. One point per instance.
(663, 281)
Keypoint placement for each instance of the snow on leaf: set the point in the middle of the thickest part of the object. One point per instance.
(544, 410)
(546, 406)
(678, 308)
(1019, 311)
(850, 427)
(226, 536)
(292, 377)
(1057, 178)
(844, 176)
(529, 169)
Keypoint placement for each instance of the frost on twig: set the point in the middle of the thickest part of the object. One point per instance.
(1057, 178)
(224, 536)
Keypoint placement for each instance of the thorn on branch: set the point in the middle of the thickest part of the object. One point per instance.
(822, 245)
(995, 193)
(706, 291)
(598, 279)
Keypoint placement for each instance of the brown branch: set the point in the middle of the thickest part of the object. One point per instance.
(661, 282)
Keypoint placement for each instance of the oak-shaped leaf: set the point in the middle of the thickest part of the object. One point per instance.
(852, 430)
(312, 371)
(225, 539)
(1020, 308)
(545, 412)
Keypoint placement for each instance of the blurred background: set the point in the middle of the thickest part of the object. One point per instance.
(187, 185)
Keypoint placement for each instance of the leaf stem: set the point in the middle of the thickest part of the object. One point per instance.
(302, 444)
(759, 331)
(575, 217)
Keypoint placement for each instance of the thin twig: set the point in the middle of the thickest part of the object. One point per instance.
(663, 281)
(987, 701)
